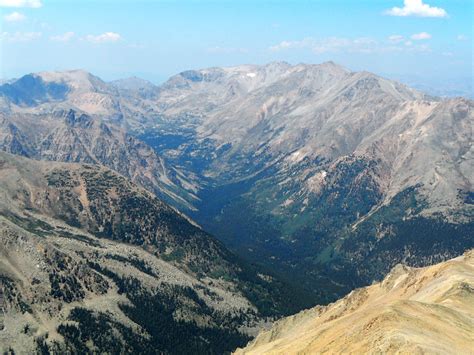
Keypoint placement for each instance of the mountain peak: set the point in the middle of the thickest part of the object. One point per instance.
(332, 64)
(32, 89)
(78, 80)
(78, 74)
(132, 83)
(278, 64)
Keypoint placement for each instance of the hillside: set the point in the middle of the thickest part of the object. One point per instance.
(91, 263)
(412, 311)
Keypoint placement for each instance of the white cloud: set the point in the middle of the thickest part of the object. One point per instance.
(396, 38)
(285, 45)
(420, 36)
(462, 38)
(14, 17)
(330, 44)
(66, 37)
(19, 36)
(417, 8)
(21, 3)
(104, 37)
(364, 45)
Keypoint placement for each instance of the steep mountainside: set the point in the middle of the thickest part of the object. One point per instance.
(413, 311)
(91, 263)
(70, 136)
(295, 114)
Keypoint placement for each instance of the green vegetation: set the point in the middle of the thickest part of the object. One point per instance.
(30, 223)
(155, 313)
(316, 248)
(99, 333)
(13, 296)
(136, 262)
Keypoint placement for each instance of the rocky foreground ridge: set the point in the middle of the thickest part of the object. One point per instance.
(412, 311)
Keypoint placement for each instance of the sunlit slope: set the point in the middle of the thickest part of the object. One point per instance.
(413, 311)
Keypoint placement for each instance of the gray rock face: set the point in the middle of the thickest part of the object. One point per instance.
(318, 169)
(31, 90)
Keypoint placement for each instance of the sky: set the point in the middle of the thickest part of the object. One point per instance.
(427, 39)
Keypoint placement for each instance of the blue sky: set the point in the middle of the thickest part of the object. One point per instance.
(156, 39)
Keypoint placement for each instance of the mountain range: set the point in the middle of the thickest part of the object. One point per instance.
(318, 169)
(323, 179)
(70, 136)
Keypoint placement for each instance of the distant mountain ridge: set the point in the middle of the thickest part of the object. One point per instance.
(316, 168)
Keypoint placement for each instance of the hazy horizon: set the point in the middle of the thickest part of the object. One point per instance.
(439, 86)
(429, 43)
